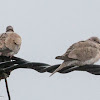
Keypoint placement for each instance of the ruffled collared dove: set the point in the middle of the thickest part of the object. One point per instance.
(81, 53)
(10, 42)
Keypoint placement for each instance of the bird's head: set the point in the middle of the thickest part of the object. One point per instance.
(9, 28)
(95, 39)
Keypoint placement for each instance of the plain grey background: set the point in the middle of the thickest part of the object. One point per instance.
(48, 28)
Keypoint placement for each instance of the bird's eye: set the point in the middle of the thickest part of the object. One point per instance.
(15, 43)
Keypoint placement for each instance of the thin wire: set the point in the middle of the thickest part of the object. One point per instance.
(8, 93)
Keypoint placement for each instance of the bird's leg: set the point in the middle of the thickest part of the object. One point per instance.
(0, 53)
(11, 56)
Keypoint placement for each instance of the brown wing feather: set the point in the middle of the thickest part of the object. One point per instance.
(2, 41)
(65, 55)
(83, 54)
(3, 48)
(80, 44)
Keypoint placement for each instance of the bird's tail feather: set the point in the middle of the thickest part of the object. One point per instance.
(64, 64)
(59, 57)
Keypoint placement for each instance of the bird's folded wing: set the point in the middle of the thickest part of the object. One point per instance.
(83, 54)
(81, 44)
(3, 48)
(76, 47)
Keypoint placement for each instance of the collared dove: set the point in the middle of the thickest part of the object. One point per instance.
(81, 53)
(10, 42)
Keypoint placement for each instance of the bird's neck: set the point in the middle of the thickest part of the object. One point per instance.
(9, 31)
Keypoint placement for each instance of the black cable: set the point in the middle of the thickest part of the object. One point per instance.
(6, 83)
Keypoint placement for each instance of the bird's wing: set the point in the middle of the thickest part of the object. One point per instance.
(3, 48)
(65, 55)
(2, 41)
(84, 53)
(78, 45)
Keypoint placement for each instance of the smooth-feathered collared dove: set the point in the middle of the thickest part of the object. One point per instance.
(10, 42)
(81, 53)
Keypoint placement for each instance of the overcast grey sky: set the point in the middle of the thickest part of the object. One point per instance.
(48, 28)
